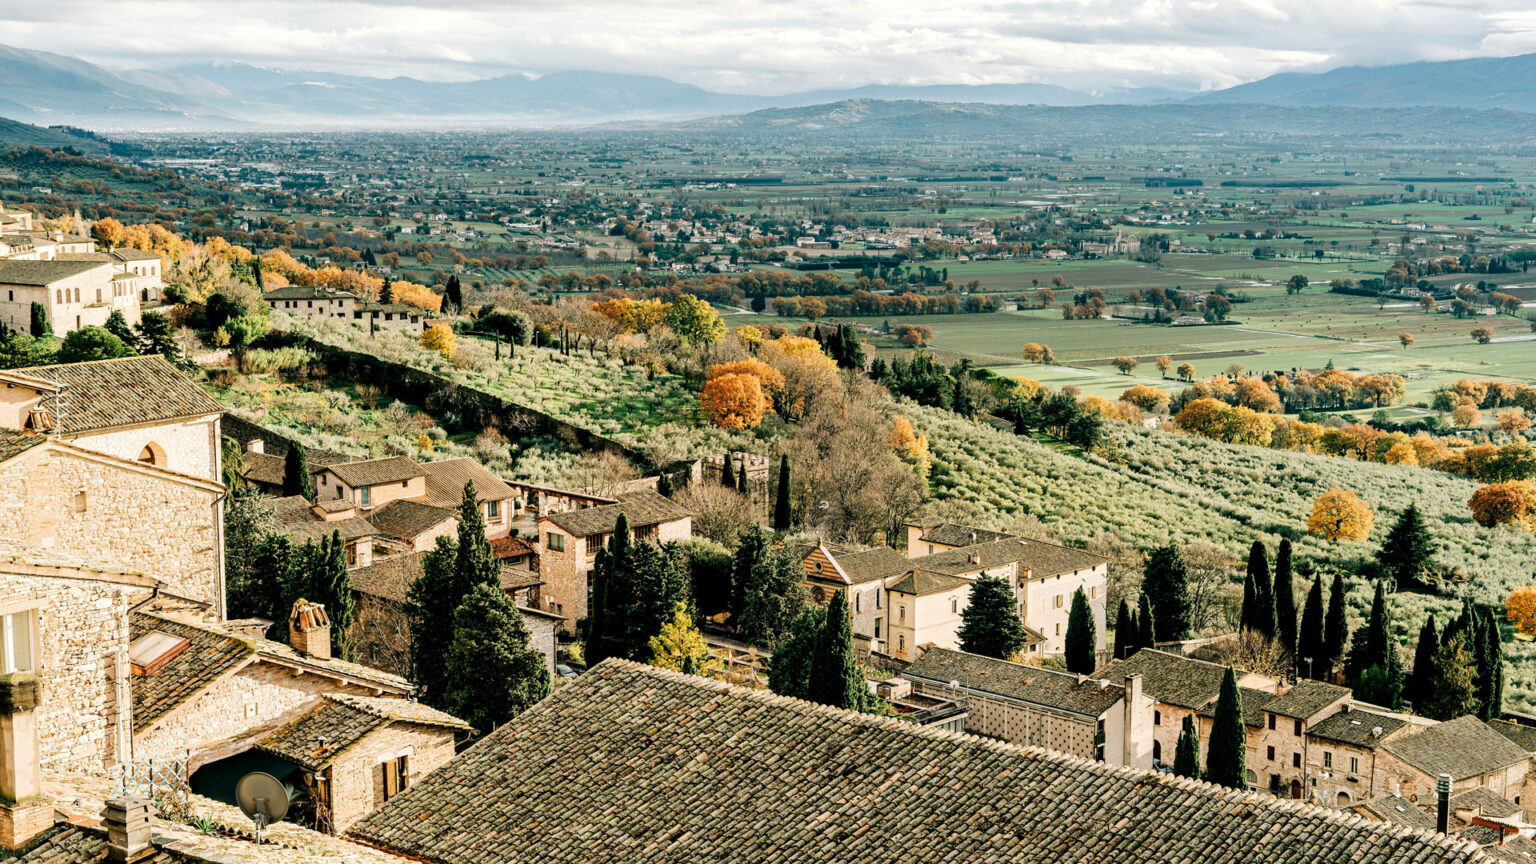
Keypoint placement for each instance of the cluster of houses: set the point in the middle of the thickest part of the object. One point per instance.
(322, 303)
(117, 652)
(75, 285)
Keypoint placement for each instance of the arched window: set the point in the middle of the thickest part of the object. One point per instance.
(1157, 751)
(152, 454)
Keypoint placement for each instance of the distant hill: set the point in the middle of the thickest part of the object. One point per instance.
(17, 135)
(39, 87)
(1486, 82)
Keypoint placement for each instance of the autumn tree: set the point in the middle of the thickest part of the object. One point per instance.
(1126, 365)
(695, 321)
(1520, 608)
(1482, 335)
(1405, 339)
(1186, 371)
(735, 401)
(1164, 363)
(440, 338)
(1034, 352)
(1339, 514)
(108, 232)
(1509, 503)
(1466, 416)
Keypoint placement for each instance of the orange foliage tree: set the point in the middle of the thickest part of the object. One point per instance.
(734, 401)
(1511, 503)
(440, 338)
(1520, 608)
(1339, 514)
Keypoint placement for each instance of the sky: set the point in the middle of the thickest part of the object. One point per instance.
(782, 46)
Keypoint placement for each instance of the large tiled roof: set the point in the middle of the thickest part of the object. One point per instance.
(1307, 698)
(1486, 802)
(1043, 559)
(1400, 811)
(38, 273)
(629, 763)
(306, 292)
(25, 558)
(314, 740)
(73, 844)
(642, 506)
(390, 578)
(1255, 703)
(1523, 736)
(1464, 747)
(950, 534)
(209, 656)
(1032, 684)
(1357, 728)
(407, 517)
(446, 479)
(342, 670)
(122, 392)
(881, 562)
(1170, 678)
(921, 583)
(372, 472)
(293, 518)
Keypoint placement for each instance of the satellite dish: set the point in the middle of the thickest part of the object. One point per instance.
(262, 797)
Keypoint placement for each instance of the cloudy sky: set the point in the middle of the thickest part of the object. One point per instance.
(778, 46)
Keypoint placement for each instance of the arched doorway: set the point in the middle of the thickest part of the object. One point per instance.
(1343, 800)
(153, 454)
(1296, 789)
(1157, 752)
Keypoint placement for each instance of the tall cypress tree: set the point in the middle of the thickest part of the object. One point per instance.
(660, 584)
(728, 473)
(1082, 636)
(1285, 597)
(790, 666)
(474, 562)
(1421, 678)
(296, 477)
(1490, 672)
(1226, 754)
(595, 647)
(1405, 554)
(1245, 613)
(781, 515)
(741, 480)
(1186, 753)
(431, 602)
(1167, 585)
(1263, 591)
(1145, 625)
(492, 673)
(1126, 637)
(835, 676)
(333, 590)
(1334, 629)
(1310, 640)
(772, 594)
(1453, 691)
(454, 292)
(616, 617)
(1371, 642)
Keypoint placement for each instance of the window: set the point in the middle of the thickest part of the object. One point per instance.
(954, 605)
(1327, 759)
(1271, 724)
(16, 641)
(1295, 760)
(1269, 753)
(1157, 718)
(392, 777)
(365, 496)
(902, 612)
(1297, 730)
(404, 484)
(858, 606)
(492, 508)
(58, 295)
(877, 598)
(555, 542)
(1354, 765)
(901, 643)
(77, 295)
(1058, 629)
(1057, 602)
(98, 295)
(1093, 592)
(152, 454)
(878, 622)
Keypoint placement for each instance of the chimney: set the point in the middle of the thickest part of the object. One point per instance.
(21, 773)
(309, 630)
(1134, 731)
(1443, 805)
(127, 823)
(255, 445)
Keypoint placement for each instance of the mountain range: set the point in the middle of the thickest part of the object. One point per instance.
(40, 87)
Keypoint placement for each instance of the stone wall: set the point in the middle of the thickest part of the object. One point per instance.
(190, 446)
(565, 576)
(82, 637)
(1393, 773)
(1020, 723)
(99, 510)
(357, 786)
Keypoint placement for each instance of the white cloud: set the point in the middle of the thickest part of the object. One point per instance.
(778, 46)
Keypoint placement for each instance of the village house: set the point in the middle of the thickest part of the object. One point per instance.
(864, 575)
(1036, 707)
(624, 730)
(372, 484)
(1474, 756)
(568, 542)
(319, 302)
(1341, 757)
(75, 285)
(302, 522)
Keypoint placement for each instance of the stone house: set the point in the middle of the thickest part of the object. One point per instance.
(1036, 707)
(354, 753)
(865, 576)
(568, 543)
(1342, 751)
(926, 538)
(312, 301)
(1474, 756)
(75, 290)
(372, 484)
(1280, 747)
(300, 521)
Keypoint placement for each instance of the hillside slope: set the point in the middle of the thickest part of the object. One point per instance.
(1507, 83)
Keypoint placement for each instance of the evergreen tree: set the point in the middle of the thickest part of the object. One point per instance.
(1382, 684)
(728, 473)
(1167, 584)
(1311, 653)
(492, 673)
(1372, 641)
(664, 486)
(1186, 753)
(331, 587)
(474, 563)
(246, 523)
(1245, 612)
(1285, 597)
(267, 588)
(1145, 626)
(789, 669)
(680, 646)
(386, 293)
(1453, 691)
(1081, 636)
(660, 584)
(1420, 682)
(781, 512)
(39, 323)
(1263, 621)
(117, 325)
(261, 282)
(772, 594)
(1405, 555)
(157, 335)
(296, 477)
(454, 292)
(1127, 638)
(989, 624)
(741, 480)
(610, 621)
(835, 676)
(430, 604)
(1490, 672)
(1226, 754)
(1334, 629)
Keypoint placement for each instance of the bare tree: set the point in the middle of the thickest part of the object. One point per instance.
(719, 513)
(1215, 599)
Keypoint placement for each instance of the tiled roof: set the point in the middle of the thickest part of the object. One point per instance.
(38, 273)
(1486, 802)
(292, 517)
(921, 583)
(1357, 727)
(372, 472)
(314, 740)
(209, 656)
(73, 844)
(14, 443)
(1031, 684)
(1464, 747)
(123, 253)
(1523, 736)
(510, 547)
(390, 578)
(1255, 703)
(643, 507)
(122, 392)
(281, 653)
(1170, 678)
(950, 534)
(306, 292)
(24, 557)
(1307, 698)
(630, 763)
(1043, 559)
(1399, 811)
(446, 479)
(881, 562)
(1517, 848)
(407, 517)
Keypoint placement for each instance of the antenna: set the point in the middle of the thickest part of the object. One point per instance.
(262, 797)
(58, 401)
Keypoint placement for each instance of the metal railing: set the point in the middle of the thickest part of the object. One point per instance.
(156, 778)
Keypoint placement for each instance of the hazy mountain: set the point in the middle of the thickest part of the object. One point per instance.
(1485, 82)
(14, 134)
(51, 88)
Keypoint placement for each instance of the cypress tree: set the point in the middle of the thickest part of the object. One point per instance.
(1334, 628)
(1226, 754)
(1263, 590)
(772, 594)
(1405, 554)
(728, 473)
(39, 326)
(1186, 753)
(781, 515)
(660, 585)
(789, 668)
(989, 624)
(616, 617)
(664, 486)
(1285, 597)
(430, 603)
(1421, 678)
(1490, 673)
(1126, 637)
(741, 480)
(296, 476)
(474, 562)
(1310, 641)
(1454, 689)
(1167, 585)
(595, 645)
(454, 292)
(493, 674)
(1371, 642)
(333, 590)
(1245, 612)
(1081, 636)
(1146, 627)
(835, 676)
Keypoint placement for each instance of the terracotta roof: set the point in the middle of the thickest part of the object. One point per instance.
(1032, 684)
(1357, 727)
(1523, 736)
(1464, 747)
(209, 656)
(446, 479)
(1307, 699)
(630, 763)
(1255, 703)
(372, 472)
(293, 518)
(75, 844)
(921, 583)
(1486, 802)
(643, 507)
(306, 292)
(281, 653)
(1170, 678)
(881, 562)
(1398, 810)
(405, 518)
(14, 443)
(314, 740)
(40, 273)
(390, 578)
(122, 392)
(1043, 559)
(510, 547)
(950, 534)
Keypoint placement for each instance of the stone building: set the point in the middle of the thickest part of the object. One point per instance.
(374, 484)
(569, 540)
(325, 303)
(1474, 756)
(1280, 754)
(1342, 751)
(865, 576)
(1036, 707)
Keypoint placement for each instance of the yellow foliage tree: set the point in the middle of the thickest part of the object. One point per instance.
(680, 646)
(771, 378)
(1401, 453)
(1144, 397)
(1511, 503)
(108, 232)
(440, 338)
(413, 294)
(734, 401)
(1339, 514)
(1513, 421)
(1520, 608)
(911, 447)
